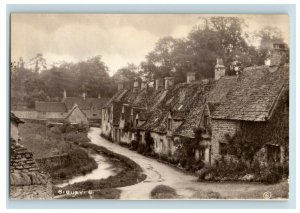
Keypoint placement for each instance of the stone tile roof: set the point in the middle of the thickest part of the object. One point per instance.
(15, 119)
(254, 96)
(116, 98)
(221, 88)
(50, 107)
(117, 109)
(194, 117)
(127, 112)
(179, 100)
(85, 104)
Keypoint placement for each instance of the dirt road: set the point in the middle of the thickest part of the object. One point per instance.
(186, 185)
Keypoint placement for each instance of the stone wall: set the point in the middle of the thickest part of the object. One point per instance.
(53, 161)
(27, 180)
(219, 130)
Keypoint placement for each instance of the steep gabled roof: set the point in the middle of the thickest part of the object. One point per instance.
(254, 96)
(117, 109)
(127, 112)
(50, 107)
(181, 100)
(221, 88)
(116, 98)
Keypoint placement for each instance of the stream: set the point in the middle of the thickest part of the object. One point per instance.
(104, 170)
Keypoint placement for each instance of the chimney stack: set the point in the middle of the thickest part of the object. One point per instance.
(169, 82)
(65, 93)
(278, 55)
(120, 86)
(84, 95)
(190, 77)
(219, 69)
(159, 83)
(144, 84)
(135, 84)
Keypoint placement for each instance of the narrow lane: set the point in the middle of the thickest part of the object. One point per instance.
(157, 173)
(184, 184)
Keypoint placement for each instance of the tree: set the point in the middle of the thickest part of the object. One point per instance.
(160, 60)
(38, 63)
(268, 36)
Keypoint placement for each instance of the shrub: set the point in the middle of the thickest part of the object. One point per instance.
(206, 195)
(134, 145)
(142, 148)
(163, 192)
(271, 174)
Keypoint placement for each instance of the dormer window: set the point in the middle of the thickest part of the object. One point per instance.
(136, 122)
(205, 121)
(169, 124)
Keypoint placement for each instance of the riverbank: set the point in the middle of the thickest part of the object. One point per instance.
(46, 143)
(130, 174)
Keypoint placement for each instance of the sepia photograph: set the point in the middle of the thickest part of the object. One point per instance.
(149, 106)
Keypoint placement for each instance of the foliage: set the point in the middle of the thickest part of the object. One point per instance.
(134, 145)
(252, 136)
(268, 36)
(149, 142)
(223, 37)
(163, 192)
(47, 84)
(239, 171)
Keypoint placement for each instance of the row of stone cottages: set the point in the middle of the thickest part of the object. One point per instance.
(220, 107)
(78, 110)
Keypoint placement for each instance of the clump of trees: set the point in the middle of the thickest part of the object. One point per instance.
(33, 84)
(223, 37)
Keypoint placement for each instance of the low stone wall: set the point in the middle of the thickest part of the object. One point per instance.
(26, 176)
(53, 161)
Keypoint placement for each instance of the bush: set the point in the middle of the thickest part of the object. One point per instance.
(76, 137)
(163, 192)
(142, 148)
(134, 145)
(271, 174)
(206, 195)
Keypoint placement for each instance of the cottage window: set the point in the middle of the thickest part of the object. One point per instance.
(223, 148)
(273, 153)
(122, 116)
(205, 121)
(169, 123)
(202, 154)
(136, 122)
(94, 114)
(162, 145)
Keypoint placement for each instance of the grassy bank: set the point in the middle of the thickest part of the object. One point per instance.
(131, 173)
(44, 142)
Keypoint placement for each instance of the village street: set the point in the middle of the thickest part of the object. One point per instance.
(185, 185)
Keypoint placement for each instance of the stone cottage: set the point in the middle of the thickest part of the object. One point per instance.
(259, 98)
(91, 107)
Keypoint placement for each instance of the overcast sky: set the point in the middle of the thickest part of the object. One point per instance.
(119, 39)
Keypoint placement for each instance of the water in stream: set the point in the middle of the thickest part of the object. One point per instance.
(104, 170)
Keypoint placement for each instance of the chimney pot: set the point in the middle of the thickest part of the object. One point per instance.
(158, 83)
(219, 69)
(65, 93)
(191, 76)
(169, 82)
